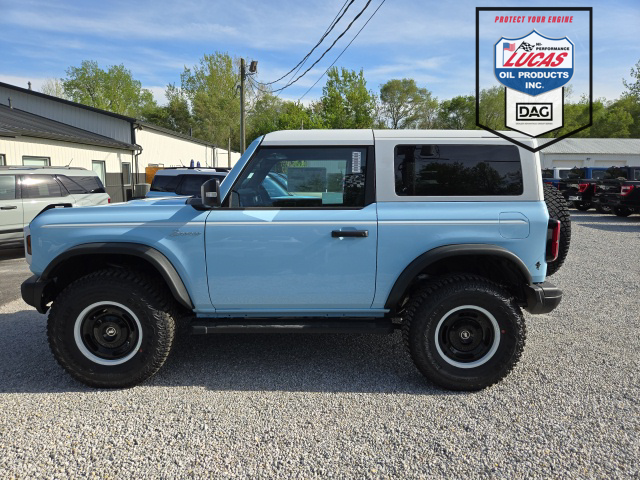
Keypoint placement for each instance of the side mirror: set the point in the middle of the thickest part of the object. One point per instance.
(210, 193)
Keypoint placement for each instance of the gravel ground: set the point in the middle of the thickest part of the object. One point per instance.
(350, 405)
(13, 271)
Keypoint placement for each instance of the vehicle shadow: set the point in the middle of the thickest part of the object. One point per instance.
(354, 363)
(11, 253)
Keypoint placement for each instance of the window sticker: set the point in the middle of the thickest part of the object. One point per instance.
(356, 162)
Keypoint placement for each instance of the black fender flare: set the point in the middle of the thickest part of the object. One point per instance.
(423, 261)
(160, 262)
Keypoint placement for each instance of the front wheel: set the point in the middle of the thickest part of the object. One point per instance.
(464, 332)
(111, 328)
(582, 206)
(622, 211)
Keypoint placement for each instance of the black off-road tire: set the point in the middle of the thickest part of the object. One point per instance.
(434, 304)
(622, 211)
(583, 207)
(557, 207)
(102, 295)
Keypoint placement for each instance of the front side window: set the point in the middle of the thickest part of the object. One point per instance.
(303, 177)
(457, 170)
(36, 161)
(40, 186)
(99, 167)
(7, 187)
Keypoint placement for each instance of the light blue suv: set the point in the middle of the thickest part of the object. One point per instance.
(444, 235)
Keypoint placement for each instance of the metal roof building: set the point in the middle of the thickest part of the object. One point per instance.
(591, 152)
(38, 129)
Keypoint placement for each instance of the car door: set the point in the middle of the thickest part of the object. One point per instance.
(11, 221)
(308, 247)
(40, 191)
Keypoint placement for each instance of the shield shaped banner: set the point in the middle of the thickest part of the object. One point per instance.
(534, 64)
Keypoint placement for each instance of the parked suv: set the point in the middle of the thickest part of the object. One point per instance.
(444, 235)
(26, 191)
(182, 181)
(606, 192)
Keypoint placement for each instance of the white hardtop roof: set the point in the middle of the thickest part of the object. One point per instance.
(366, 136)
(68, 171)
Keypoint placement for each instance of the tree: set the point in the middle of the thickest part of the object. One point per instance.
(346, 102)
(633, 86)
(211, 90)
(492, 108)
(459, 113)
(53, 87)
(270, 113)
(113, 89)
(175, 115)
(405, 105)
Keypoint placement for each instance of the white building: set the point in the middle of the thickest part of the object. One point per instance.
(38, 129)
(592, 152)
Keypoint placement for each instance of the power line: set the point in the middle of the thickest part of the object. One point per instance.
(332, 25)
(344, 50)
(327, 50)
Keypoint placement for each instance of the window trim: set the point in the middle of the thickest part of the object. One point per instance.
(124, 184)
(458, 197)
(104, 164)
(48, 159)
(370, 179)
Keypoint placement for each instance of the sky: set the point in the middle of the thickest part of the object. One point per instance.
(432, 42)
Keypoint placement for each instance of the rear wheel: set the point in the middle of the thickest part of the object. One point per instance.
(582, 206)
(557, 207)
(463, 332)
(112, 328)
(622, 211)
(603, 209)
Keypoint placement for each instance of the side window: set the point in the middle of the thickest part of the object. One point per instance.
(40, 186)
(3, 160)
(36, 161)
(304, 177)
(457, 170)
(165, 183)
(89, 184)
(7, 187)
(99, 167)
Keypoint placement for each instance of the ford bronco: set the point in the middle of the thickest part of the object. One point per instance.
(444, 235)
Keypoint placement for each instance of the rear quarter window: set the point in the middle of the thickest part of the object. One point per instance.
(457, 170)
(79, 185)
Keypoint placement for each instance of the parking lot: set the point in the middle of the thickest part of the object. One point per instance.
(346, 405)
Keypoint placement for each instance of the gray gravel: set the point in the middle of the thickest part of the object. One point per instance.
(351, 405)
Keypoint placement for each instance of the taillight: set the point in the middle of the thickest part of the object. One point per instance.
(108, 199)
(553, 240)
(583, 187)
(28, 244)
(626, 189)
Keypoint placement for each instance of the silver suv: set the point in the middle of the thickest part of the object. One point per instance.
(27, 191)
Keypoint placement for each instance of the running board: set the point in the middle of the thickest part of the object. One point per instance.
(322, 325)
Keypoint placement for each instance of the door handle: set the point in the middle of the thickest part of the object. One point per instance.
(350, 233)
(9, 207)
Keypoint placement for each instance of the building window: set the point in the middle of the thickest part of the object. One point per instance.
(126, 173)
(3, 160)
(36, 161)
(99, 167)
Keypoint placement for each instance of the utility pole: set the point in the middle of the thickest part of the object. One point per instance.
(253, 69)
(242, 77)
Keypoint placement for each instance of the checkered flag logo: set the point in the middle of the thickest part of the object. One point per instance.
(527, 47)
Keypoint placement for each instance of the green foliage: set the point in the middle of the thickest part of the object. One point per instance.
(459, 113)
(175, 115)
(492, 108)
(270, 113)
(405, 105)
(210, 87)
(54, 87)
(346, 102)
(113, 89)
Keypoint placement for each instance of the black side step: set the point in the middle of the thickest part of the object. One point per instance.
(307, 325)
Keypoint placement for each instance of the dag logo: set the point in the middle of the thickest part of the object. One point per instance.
(534, 64)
